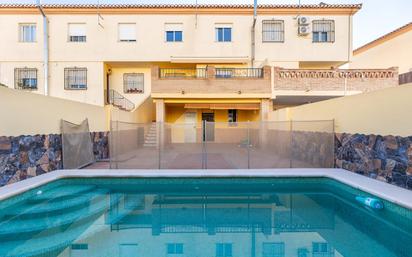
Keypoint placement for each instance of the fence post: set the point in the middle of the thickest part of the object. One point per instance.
(115, 145)
(159, 138)
(248, 144)
(290, 144)
(204, 150)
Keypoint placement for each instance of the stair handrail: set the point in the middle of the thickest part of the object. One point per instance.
(118, 100)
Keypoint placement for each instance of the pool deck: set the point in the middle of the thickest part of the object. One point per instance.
(381, 189)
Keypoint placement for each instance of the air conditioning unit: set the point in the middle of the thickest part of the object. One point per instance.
(303, 30)
(303, 20)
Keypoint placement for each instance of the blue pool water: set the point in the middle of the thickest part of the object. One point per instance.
(265, 217)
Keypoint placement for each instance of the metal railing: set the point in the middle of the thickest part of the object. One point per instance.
(405, 78)
(182, 73)
(224, 73)
(118, 100)
(220, 145)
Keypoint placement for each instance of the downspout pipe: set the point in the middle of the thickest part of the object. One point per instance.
(253, 41)
(45, 48)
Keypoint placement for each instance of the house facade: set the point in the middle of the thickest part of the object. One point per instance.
(187, 63)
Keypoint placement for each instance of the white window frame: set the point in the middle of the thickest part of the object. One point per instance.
(69, 36)
(135, 87)
(119, 36)
(22, 37)
(173, 27)
(223, 26)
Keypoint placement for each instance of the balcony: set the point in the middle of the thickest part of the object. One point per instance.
(211, 82)
(405, 78)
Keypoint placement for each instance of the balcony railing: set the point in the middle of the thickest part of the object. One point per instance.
(405, 78)
(223, 73)
(182, 73)
(120, 101)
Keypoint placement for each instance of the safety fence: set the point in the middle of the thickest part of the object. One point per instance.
(222, 145)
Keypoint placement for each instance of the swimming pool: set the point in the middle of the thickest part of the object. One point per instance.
(195, 217)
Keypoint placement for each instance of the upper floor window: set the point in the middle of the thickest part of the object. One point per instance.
(25, 78)
(75, 78)
(174, 248)
(223, 33)
(133, 82)
(323, 31)
(321, 249)
(273, 250)
(273, 31)
(27, 32)
(223, 250)
(77, 32)
(174, 32)
(127, 32)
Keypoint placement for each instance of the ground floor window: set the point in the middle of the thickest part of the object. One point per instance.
(75, 78)
(232, 116)
(25, 78)
(133, 83)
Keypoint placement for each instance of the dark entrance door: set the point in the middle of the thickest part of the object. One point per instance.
(209, 126)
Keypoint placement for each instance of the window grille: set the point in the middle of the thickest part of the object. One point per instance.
(323, 31)
(273, 31)
(25, 78)
(133, 83)
(75, 78)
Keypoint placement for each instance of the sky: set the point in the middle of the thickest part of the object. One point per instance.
(376, 18)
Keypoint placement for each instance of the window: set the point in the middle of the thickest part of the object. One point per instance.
(232, 115)
(25, 78)
(127, 32)
(133, 82)
(273, 31)
(174, 248)
(174, 32)
(75, 78)
(223, 33)
(27, 32)
(223, 250)
(273, 250)
(323, 31)
(322, 250)
(77, 32)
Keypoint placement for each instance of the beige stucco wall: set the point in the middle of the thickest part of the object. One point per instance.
(24, 113)
(198, 45)
(395, 52)
(383, 112)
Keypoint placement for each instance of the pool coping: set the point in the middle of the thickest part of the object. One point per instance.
(392, 193)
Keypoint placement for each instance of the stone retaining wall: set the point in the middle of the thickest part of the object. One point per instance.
(387, 158)
(28, 156)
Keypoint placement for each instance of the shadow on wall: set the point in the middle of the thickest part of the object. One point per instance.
(386, 158)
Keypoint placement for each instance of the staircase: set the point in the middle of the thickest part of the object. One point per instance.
(121, 102)
(151, 136)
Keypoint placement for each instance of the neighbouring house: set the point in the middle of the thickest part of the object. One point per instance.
(187, 62)
(393, 49)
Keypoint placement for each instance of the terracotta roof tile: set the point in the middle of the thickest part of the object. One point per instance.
(207, 6)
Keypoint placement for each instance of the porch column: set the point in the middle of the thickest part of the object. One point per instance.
(265, 108)
(160, 110)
